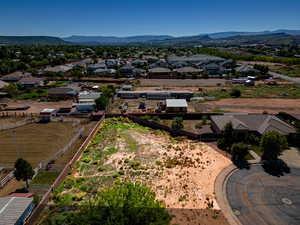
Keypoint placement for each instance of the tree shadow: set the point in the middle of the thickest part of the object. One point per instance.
(241, 164)
(276, 167)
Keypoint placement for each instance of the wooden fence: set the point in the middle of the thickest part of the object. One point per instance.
(65, 172)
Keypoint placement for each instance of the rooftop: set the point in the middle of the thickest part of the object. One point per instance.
(254, 122)
(176, 103)
(12, 208)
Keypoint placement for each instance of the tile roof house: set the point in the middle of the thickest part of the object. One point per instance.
(258, 123)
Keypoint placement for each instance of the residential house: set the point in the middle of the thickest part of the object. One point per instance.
(176, 105)
(188, 72)
(105, 72)
(15, 210)
(62, 93)
(127, 70)
(246, 70)
(59, 69)
(194, 59)
(93, 67)
(87, 96)
(15, 77)
(112, 63)
(31, 82)
(3, 84)
(214, 69)
(160, 73)
(252, 123)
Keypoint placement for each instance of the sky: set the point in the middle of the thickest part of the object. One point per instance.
(63, 18)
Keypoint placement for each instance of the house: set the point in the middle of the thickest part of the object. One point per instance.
(160, 73)
(111, 63)
(214, 69)
(92, 68)
(195, 59)
(127, 70)
(252, 123)
(176, 105)
(15, 77)
(46, 115)
(127, 87)
(188, 72)
(88, 97)
(15, 210)
(61, 93)
(139, 62)
(156, 94)
(246, 70)
(3, 84)
(31, 82)
(85, 107)
(59, 69)
(105, 72)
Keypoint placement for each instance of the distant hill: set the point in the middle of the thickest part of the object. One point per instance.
(31, 40)
(115, 40)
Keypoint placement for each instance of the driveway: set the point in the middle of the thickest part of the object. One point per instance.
(285, 77)
(291, 157)
(257, 198)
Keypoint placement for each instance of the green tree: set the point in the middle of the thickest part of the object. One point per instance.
(122, 204)
(177, 123)
(239, 151)
(102, 102)
(23, 171)
(272, 144)
(236, 93)
(228, 137)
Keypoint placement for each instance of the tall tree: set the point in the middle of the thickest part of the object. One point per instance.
(273, 144)
(23, 171)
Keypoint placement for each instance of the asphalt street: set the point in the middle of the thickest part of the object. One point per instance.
(258, 198)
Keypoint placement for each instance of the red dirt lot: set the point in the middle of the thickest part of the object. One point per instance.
(257, 105)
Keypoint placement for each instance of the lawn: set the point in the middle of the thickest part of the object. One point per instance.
(34, 142)
(45, 178)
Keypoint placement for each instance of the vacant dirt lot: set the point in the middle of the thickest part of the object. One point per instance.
(34, 142)
(181, 172)
(181, 82)
(257, 105)
(36, 107)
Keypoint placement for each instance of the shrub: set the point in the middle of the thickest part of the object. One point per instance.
(177, 123)
(236, 93)
(122, 203)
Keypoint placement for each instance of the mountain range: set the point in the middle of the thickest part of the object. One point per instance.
(231, 37)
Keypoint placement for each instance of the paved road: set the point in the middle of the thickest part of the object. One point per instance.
(258, 198)
(284, 77)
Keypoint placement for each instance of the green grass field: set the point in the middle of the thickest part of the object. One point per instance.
(34, 142)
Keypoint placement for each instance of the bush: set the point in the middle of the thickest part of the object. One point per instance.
(177, 123)
(236, 93)
(122, 203)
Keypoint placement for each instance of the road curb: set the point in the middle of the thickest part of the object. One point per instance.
(220, 192)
